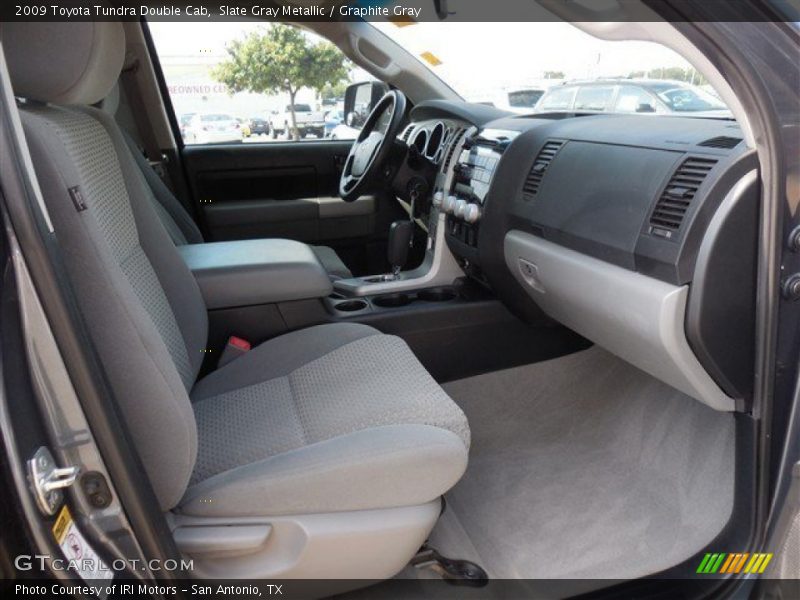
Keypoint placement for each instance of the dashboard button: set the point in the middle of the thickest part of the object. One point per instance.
(449, 204)
(472, 213)
(438, 197)
(461, 206)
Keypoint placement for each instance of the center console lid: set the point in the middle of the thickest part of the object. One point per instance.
(248, 272)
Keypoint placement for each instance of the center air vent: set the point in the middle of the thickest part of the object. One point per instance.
(407, 132)
(531, 186)
(677, 196)
(455, 138)
(722, 141)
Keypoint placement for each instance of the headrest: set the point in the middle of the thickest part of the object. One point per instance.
(63, 63)
(110, 103)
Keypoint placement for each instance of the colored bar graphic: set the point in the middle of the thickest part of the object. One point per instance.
(704, 564)
(728, 562)
(733, 563)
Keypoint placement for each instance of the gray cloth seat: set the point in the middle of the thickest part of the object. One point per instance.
(182, 228)
(337, 417)
(327, 418)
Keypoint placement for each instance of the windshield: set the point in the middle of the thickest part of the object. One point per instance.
(300, 108)
(512, 65)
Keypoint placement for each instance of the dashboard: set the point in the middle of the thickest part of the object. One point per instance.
(639, 232)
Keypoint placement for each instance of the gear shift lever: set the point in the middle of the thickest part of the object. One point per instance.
(399, 242)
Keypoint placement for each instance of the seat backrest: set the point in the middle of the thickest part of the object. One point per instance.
(180, 226)
(143, 308)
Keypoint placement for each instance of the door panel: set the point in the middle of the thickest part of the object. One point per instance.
(261, 190)
(289, 190)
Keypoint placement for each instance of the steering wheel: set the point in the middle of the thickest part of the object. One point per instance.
(373, 145)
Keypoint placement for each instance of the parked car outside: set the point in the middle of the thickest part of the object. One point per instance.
(306, 120)
(332, 119)
(259, 126)
(520, 101)
(212, 128)
(644, 96)
(344, 132)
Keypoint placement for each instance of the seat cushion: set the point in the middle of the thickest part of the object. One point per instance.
(332, 263)
(331, 418)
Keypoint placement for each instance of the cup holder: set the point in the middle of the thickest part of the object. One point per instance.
(392, 300)
(351, 305)
(437, 295)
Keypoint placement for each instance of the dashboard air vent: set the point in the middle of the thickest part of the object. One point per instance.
(548, 152)
(407, 132)
(677, 196)
(722, 141)
(454, 139)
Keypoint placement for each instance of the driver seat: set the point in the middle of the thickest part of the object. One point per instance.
(322, 453)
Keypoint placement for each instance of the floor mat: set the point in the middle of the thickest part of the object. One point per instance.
(585, 467)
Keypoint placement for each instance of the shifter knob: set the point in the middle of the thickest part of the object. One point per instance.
(399, 242)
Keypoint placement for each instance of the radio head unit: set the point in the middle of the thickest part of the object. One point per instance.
(477, 163)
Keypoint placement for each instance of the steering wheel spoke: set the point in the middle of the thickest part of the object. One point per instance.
(371, 149)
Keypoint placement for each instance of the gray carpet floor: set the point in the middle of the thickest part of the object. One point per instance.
(585, 467)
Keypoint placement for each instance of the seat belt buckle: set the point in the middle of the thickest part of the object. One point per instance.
(235, 347)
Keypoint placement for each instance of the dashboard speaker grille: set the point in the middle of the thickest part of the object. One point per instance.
(546, 155)
(722, 141)
(454, 139)
(674, 201)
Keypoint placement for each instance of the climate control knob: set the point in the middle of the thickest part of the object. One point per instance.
(461, 206)
(472, 213)
(449, 204)
(438, 198)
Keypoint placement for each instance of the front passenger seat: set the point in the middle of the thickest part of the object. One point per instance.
(327, 448)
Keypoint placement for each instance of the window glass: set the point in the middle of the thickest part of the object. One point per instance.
(233, 82)
(631, 99)
(591, 97)
(557, 99)
(524, 98)
(680, 98)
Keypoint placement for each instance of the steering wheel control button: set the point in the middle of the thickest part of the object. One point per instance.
(472, 213)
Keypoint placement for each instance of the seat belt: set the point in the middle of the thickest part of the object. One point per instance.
(133, 92)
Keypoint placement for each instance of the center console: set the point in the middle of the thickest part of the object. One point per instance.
(439, 267)
(465, 203)
(255, 272)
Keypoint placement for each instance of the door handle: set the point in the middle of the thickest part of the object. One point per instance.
(338, 162)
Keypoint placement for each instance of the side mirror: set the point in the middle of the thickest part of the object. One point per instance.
(363, 95)
(645, 107)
